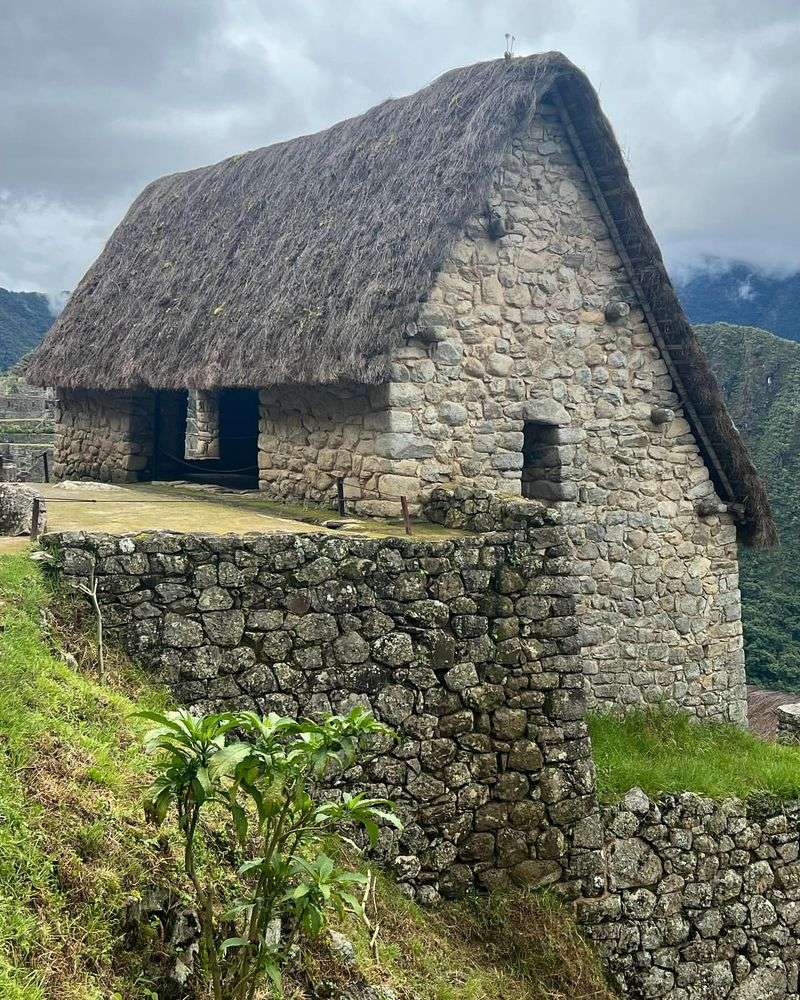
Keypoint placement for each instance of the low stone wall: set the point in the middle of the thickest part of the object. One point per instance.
(27, 405)
(789, 723)
(703, 898)
(27, 460)
(468, 647)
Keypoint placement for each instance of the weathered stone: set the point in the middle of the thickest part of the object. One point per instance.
(16, 509)
(634, 864)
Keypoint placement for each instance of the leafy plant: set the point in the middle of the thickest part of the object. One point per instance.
(264, 782)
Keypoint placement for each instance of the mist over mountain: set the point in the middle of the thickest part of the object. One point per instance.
(742, 295)
(25, 317)
(760, 377)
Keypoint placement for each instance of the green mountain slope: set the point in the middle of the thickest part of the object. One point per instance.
(760, 377)
(24, 319)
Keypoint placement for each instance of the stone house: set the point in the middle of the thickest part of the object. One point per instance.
(457, 287)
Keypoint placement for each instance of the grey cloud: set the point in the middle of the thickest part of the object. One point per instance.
(98, 98)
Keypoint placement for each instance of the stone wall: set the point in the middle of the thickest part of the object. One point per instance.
(515, 338)
(30, 404)
(311, 435)
(703, 900)
(106, 436)
(514, 343)
(27, 460)
(468, 646)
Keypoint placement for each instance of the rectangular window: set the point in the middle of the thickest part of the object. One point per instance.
(542, 472)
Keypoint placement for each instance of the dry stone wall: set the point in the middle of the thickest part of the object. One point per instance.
(24, 462)
(309, 436)
(106, 436)
(703, 898)
(467, 646)
(202, 425)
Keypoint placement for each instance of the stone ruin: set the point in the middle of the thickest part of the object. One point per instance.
(471, 648)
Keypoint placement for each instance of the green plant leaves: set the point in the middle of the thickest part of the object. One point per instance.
(263, 782)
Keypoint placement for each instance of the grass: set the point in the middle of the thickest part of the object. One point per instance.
(23, 425)
(520, 944)
(196, 510)
(664, 751)
(73, 842)
(74, 847)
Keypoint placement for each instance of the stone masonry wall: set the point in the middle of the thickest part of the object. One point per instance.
(703, 900)
(311, 435)
(202, 425)
(105, 436)
(27, 461)
(515, 331)
(467, 646)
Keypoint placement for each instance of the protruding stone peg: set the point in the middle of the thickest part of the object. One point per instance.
(661, 415)
(616, 310)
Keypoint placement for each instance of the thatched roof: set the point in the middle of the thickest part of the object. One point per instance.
(306, 261)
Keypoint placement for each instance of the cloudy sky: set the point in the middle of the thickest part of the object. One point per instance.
(97, 97)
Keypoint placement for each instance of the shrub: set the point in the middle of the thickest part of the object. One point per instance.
(263, 784)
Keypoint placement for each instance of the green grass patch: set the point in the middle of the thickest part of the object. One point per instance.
(517, 944)
(660, 751)
(73, 842)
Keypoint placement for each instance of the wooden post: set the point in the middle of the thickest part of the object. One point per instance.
(406, 518)
(46, 465)
(35, 518)
(2, 474)
(340, 495)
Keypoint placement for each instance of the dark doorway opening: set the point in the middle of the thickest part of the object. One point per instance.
(237, 465)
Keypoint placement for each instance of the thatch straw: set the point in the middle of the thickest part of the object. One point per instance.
(306, 261)
(300, 262)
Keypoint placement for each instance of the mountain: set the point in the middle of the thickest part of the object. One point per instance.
(24, 319)
(760, 376)
(740, 294)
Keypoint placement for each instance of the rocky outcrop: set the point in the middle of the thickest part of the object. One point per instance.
(17, 508)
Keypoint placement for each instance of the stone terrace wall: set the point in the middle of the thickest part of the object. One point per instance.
(703, 901)
(467, 646)
(27, 460)
(105, 436)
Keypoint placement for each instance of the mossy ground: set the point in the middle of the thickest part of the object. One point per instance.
(665, 751)
(150, 506)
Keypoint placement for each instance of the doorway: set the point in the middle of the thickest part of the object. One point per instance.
(237, 465)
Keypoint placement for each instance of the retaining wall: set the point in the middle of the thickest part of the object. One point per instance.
(27, 459)
(703, 898)
(470, 648)
(467, 646)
